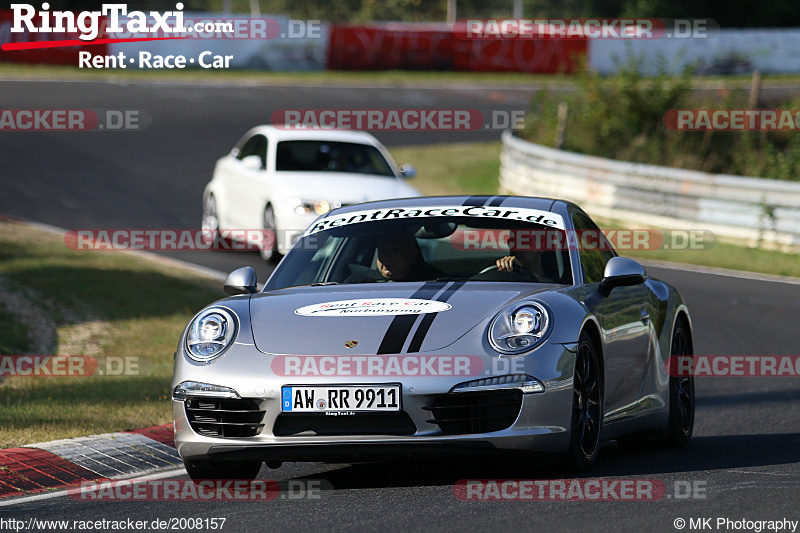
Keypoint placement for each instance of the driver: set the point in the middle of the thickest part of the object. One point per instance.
(399, 259)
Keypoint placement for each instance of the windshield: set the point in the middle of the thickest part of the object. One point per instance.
(328, 156)
(425, 249)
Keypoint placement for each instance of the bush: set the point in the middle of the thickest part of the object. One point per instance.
(622, 117)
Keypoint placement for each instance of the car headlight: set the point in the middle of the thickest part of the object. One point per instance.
(305, 207)
(520, 328)
(210, 334)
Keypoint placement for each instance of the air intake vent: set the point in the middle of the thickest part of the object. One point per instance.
(476, 412)
(224, 418)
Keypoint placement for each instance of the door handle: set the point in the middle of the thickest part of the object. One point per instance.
(644, 316)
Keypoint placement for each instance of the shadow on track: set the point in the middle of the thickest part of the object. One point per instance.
(702, 454)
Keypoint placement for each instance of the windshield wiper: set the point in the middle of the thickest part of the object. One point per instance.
(324, 283)
(445, 278)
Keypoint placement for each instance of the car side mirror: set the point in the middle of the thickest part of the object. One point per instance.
(621, 272)
(241, 281)
(252, 162)
(407, 172)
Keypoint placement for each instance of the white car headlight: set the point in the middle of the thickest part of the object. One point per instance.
(520, 328)
(210, 334)
(305, 207)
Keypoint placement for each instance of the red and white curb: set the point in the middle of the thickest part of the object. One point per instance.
(43, 467)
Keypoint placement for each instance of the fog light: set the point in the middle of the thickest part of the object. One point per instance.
(193, 389)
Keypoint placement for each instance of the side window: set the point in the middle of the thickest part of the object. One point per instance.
(255, 145)
(594, 249)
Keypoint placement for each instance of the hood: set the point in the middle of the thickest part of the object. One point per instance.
(346, 187)
(381, 318)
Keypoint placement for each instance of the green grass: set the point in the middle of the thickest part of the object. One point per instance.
(13, 333)
(104, 304)
(731, 256)
(473, 168)
(623, 117)
(387, 77)
(453, 168)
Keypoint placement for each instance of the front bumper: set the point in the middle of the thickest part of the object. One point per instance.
(541, 424)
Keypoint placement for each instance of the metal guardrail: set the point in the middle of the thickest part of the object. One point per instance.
(754, 211)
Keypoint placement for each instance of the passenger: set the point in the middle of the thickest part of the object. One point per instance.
(530, 261)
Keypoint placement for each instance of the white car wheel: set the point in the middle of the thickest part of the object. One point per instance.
(271, 253)
(210, 223)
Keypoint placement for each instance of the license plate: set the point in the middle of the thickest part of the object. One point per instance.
(357, 398)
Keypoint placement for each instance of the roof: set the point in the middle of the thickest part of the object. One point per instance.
(281, 134)
(543, 204)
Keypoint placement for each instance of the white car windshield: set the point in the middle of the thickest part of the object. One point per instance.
(427, 249)
(330, 156)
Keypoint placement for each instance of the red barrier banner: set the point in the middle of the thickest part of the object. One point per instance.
(438, 47)
(53, 56)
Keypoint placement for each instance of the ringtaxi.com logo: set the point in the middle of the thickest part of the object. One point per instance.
(74, 120)
(113, 20)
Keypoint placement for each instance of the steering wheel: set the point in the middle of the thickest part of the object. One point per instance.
(516, 269)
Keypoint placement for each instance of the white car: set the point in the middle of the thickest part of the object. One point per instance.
(282, 180)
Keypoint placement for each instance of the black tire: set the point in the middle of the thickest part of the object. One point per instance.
(202, 470)
(681, 394)
(587, 407)
(271, 255)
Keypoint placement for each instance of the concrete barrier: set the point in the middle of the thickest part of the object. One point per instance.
(754, 211)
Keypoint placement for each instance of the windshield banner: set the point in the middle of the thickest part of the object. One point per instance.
(535, 216)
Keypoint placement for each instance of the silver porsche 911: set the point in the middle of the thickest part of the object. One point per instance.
(436, 325)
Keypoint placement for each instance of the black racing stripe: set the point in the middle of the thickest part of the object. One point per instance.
(425, 325)
(497, 201)
(476, 200)
(401, 325)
